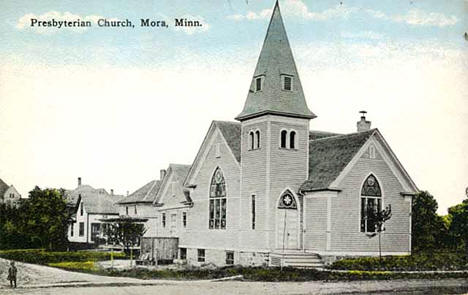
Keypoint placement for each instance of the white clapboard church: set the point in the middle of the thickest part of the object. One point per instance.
(266, 190)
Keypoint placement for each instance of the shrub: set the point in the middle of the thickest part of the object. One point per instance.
(421, 261)
(40, 256)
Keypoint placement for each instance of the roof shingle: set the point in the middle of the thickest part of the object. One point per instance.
(329, 156)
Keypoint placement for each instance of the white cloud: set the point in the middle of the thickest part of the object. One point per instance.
(418, 17)
(24, 23)
(189, 30)
(298, 8)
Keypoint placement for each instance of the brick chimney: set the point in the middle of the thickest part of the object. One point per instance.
(162, 174)
(112, 191)
(363, 124)
(79, 181)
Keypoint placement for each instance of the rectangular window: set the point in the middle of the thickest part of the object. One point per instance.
(164, 219)
(135, 210)
(12, 196)
(184, 219)
(258, 84)
(71, 230)
(81, 232)
(211, 214)
(229, 258)
(253, 211)
(81, 209)
(201, 255)
(183, 254)
(287, 83)
(126, 210)
(95, 231)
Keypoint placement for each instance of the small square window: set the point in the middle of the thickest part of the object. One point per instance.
(229, 258)
(201, 255)
(287, 83)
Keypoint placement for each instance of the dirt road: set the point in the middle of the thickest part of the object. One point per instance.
(37, 279)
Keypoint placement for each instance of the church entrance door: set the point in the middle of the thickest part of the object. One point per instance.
(287, 221)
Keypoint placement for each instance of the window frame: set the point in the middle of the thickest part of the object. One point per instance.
(217, 201)
(183, 253)
(230, 260)
(365, 199)
(163, 219)
(292, 139)
(258, 83)
(283, 144)
(253, 209)
(284, 77)
(201, 255)
(81, 229)
(72, 229)
(184, 219)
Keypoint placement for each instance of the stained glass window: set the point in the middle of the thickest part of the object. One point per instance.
(287, 201)
(218, 203)
(371, 199)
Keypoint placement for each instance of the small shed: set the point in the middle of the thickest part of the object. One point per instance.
(160, 248)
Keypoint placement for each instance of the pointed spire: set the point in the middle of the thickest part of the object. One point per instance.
(268, 92)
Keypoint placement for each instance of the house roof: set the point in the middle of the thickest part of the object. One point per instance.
(178, 171)
(97, 201)
(145, 194)
(315, 134)
(3, 187)
(100, 202)
(329, 156)
(232, 133)
(275, 61)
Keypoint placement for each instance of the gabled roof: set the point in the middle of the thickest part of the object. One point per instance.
(178, 171)
(329, 156)
(232, 133)
(315, 134)
(145, 194)
(3, 187)
(100, 202)
(97, 201)
(275, 60)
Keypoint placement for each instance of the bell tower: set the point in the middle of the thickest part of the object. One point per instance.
(274, 138)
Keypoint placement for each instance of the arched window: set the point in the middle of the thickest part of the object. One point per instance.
(217, 214)
(292, 139)
(251, 140)
(284, 135)
(371, 200)
(257, 135)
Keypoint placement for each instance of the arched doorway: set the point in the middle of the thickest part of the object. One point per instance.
(287, 222)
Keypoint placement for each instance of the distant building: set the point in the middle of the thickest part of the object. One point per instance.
(9, 194)
(89, 206)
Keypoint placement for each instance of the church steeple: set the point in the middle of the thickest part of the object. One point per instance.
(276, 87)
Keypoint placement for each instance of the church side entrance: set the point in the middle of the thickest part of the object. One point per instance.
(287, 220)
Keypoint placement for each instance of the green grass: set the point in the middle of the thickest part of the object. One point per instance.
(273, 274)
(416, 262)
(84, 266)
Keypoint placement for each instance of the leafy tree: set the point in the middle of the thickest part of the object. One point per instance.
(124, 231)
(45, 218)
(428, 229)
(378, 217)
(459, 224)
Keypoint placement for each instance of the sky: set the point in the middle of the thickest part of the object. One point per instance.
(116, 105)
